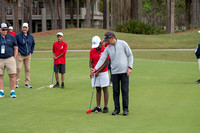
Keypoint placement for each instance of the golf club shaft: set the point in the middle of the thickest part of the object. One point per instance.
(92, 92)
(53, 71)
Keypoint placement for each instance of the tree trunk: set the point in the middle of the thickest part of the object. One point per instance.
(125, 12)
(154, 13)
(52, 15)
(134, 10)
(188, 15)
(63, 13)
(88, 16)
(59, 15)
(105, 14)
(77, 24)
(113, 14)
(170, 16)
(71, 13)
(3, 11)
(92, 8)
(140, 10)
(56, 15)
(15, 16)
(30, 15)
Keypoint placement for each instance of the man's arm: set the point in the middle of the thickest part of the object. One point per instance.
(15, 51)
(103, 67)
(58, 56)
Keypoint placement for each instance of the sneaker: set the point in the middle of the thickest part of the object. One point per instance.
(16, 85)
(62, 86)
(12, 95)
(56, 85)
(125, 112)
(105, 110)
(116, 112)
(97, 108)
(28, 86)
(1, 94)
(110, 84)
(198, 81)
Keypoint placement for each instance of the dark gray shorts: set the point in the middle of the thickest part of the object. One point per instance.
(60, 68)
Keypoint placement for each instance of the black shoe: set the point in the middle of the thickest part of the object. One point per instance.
(62, 86)
(116, 112)
(97, 109)
(105, 110)
(56, 85)
(198, 81)
(125, 112)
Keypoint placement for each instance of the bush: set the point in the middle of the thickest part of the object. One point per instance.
(136, 27)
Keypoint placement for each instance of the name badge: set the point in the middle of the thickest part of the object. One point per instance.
(2, 49)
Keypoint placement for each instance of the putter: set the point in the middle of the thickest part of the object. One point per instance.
(89, 110)
(51, 86)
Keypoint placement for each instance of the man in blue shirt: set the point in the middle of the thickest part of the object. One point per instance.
(197, 53)
(26, 44)
(8, 54)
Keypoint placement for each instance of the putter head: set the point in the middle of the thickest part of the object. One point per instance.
(198, 31)
(89, 111)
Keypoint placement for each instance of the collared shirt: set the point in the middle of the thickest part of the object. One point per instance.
(9, 42)
(12, 33)
(95, 56)
(59, 48)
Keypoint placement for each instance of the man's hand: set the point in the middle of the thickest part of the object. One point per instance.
(129, 71)
(92, 70)
(54, 57)
(91, 75)
(96, 74)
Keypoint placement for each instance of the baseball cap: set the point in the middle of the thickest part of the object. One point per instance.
(108, 35)
(95, 41)
(4, 25)
(59, 34)
(25, 25)
(10, 28)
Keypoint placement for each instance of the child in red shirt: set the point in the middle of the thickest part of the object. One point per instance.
(59, 55)
(11, 32)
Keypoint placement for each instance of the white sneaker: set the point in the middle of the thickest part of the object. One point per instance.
(28, 86)
(16, 85)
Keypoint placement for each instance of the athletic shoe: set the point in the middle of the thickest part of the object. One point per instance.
(97, 108)
(62, 86)
(198, 81)
(12, 95)
(125, 112)
(105, 110)
(116, 112)
(16, 85)
(57, 85)
(28, 86)
(1, 94)
(110, 84)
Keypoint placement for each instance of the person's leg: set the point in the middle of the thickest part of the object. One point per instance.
(12, 81)
(56, 76)
(63, 77)
(19, 62)
(1, 82)
(27, 62)
(106, 95)
(116, 90)
(98, 96)
(125, 90)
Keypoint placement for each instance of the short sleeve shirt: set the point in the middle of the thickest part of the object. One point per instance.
(95, 56)
(59, 48)
(12, 33)
(9, 42)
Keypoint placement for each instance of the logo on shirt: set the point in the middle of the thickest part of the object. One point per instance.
(61, 47)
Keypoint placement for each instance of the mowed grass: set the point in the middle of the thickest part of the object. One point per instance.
(163, 98)
(81, 39)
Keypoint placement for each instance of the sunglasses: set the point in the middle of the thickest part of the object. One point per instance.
(4, 29)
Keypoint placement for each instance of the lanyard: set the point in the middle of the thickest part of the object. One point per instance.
(3, 40)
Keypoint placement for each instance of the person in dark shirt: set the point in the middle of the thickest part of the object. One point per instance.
(197, 53)
(8, 54)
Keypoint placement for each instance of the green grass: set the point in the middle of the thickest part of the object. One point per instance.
(81, 39)
(163, 97)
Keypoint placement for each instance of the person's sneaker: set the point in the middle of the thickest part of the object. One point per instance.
(97, 108)
(16, 85)
(62, 86)
(57, 85)
(125, 112)
(12, 95)
(116, 112)
(198, 81)
(28, 86)
(110, 84)
(105, 110)
(1, 94)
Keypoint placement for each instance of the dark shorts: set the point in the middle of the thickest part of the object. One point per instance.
(60, 67)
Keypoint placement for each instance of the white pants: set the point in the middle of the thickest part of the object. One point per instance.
(101, 81)
(199, 64)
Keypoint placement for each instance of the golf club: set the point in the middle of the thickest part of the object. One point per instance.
(89, 110)
(51, 86)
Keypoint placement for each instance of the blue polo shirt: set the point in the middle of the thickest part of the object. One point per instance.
(9, 41)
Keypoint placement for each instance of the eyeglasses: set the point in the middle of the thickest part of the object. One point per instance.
(4, 29)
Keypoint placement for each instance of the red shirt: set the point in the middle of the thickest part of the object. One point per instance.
(59, 48)
(12, 33)
(95, 56)
(106, 44)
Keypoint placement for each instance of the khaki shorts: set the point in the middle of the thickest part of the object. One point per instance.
(9, 64)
